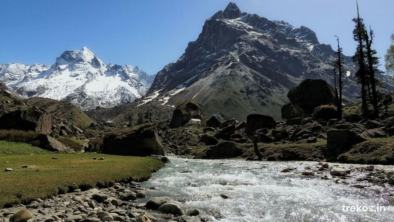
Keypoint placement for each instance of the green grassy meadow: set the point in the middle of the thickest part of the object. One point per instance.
(38, 173)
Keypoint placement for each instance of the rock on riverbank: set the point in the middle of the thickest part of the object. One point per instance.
(122, 202)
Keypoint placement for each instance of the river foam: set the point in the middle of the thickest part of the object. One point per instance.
(258, 191)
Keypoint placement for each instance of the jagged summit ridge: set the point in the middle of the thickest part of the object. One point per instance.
(80, 77)
(232, 11)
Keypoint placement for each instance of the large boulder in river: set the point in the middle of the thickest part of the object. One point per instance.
(143, 141)
(184, 113)
(155, 202)
(311, 94)
(340, 141)
(31, 119)
(171, 207)
(258, 121)
(223, 150)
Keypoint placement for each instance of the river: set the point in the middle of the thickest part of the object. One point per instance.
(259, 191)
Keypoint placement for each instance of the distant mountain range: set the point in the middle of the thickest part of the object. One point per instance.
(242, 63)
(79, 77)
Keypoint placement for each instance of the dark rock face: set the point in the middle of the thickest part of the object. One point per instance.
(232, 11)
(208, 140)
(243, 63)
(184, 113)
(226, 132)
(223, 150)
(140, 142)
(215, 121)
(311, 94)
(257, 121)
(28, 120)
(340, 141)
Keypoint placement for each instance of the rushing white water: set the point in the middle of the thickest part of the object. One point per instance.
(258, 191)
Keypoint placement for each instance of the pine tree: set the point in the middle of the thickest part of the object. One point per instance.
(373, 63)
(390, 57)
(359, 34)
(335, 82)
(339, 67)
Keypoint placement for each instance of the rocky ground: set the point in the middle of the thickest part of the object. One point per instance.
(310, 130)
(367, 142)
(122, 202)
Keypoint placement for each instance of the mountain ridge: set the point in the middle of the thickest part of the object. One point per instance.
(246, 62)
(79, 77)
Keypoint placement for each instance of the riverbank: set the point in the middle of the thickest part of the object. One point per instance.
(28, 173)
(121, 202)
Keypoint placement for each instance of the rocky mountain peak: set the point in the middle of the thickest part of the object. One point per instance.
(82, 56)
(232, 11)
(247, 62)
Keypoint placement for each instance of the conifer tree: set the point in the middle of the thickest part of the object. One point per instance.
(361, 74)
(390, 57)
(339, 67)
(373, 63)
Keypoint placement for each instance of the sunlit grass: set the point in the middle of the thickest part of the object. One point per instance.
(39, 174)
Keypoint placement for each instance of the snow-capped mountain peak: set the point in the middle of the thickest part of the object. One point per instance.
(75, 58)
(85, 55)
(79, 77)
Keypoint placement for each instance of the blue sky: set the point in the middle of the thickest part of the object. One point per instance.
(152, 33)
